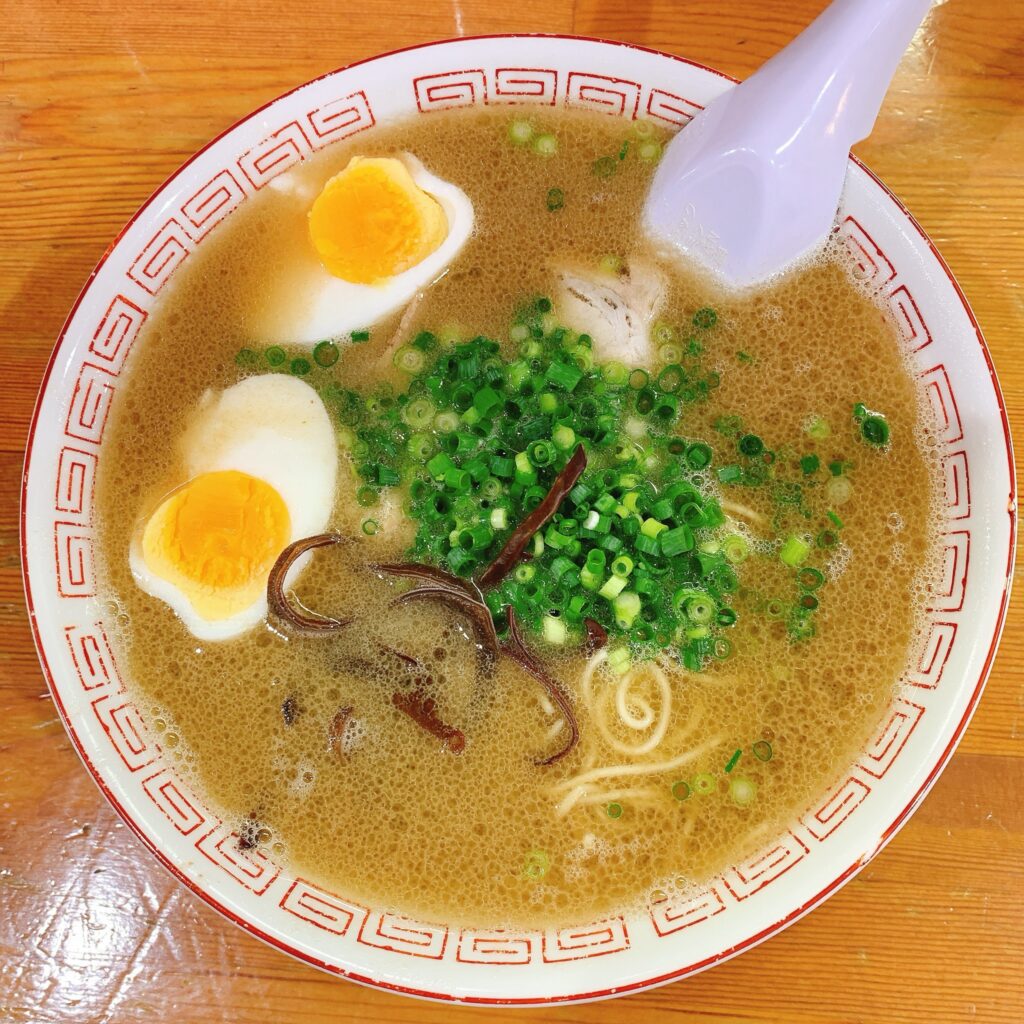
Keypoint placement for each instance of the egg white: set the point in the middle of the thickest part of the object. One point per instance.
(322, 306)
(272, 427)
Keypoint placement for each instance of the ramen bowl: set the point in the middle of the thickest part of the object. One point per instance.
(831, 840)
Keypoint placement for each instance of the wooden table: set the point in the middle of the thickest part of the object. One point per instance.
(99, 102)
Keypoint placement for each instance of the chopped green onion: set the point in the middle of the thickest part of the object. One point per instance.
(743, 791)
(622, 566)
(762, 750)
(676, 541)
(275, 355)
(809, 464)
(751, 445)
(525, 473)
(447, 421)
(420, 446)
(700, 608)
(541, 453)
(476, 538)
(681, 790)
(615, 373)
(839, 490)
(649, 151)
(619, 659)
(875, 430)
(614, 810)
(439, 465)
(638, 379)
(461, 562)
(794, 550)
(325, 353)
(818, 429)
(704, 784)
(735, 548)
(502, 466)
(419, 413)
(563, 437)
(670, 379)
(734, 760)
(801, 627)
(562, 375)
(520, 132)
(409, 358)
(604, 167)
(536, 865)
(613, 586)
(810, 579)
(370, 527)
(300, 367)
(627, 607)
(499, 518)
(554, 629)
(652, 527)
(360, 336)
(246, 357)
(555, 199)
(705, 318)
(524, 572)
(698, 455)
(485, 400)
(545, 145)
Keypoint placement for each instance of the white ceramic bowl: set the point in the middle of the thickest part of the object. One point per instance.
(752, 900)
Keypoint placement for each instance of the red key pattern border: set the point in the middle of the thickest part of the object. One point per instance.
(93, 656)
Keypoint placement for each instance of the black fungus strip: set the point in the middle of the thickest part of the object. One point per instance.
(597, 635)
(278, 601)
(516, 544)
(423, 711)
(336, 730)
(479, 614)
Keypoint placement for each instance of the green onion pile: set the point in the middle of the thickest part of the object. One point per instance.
(479, 439)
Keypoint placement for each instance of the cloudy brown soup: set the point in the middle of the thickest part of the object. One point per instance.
(761, 463)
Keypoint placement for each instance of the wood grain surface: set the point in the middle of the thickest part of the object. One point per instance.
(99, 102)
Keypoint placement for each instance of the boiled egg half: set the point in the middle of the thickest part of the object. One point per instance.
(381, 230)
(259, 471)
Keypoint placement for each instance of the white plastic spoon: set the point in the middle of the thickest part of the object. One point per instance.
(754, 181)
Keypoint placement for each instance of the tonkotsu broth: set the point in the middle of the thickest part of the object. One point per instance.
(399, 822)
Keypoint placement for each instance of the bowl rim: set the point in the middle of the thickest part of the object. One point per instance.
(611, 991)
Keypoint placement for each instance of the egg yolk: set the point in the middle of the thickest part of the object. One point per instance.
(373, 221)
(216, 539)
